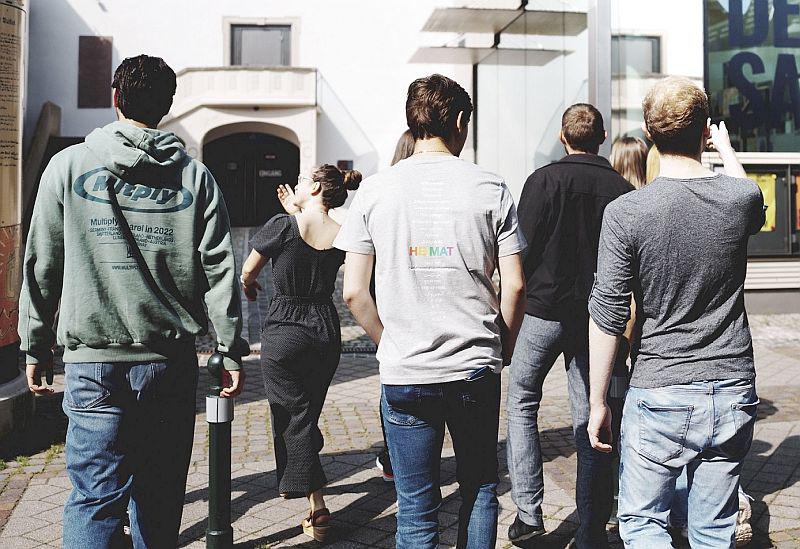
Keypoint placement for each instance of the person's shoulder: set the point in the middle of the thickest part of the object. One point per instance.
(744, 185)
(627, 204)
(547, 171)
(278, 226)
(196, 170)
(477, 173)
(622, 185)
(280, 220)
(75, 156)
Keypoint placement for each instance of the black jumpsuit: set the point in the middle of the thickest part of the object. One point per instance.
(300, 347)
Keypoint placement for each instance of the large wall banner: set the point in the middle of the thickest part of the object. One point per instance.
(752, 56)
(12, 86)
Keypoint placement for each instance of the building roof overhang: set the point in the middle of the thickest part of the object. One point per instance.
(535, 18)
(461, 55)
(543, 22)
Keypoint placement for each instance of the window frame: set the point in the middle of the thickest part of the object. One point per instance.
(228, 24)
(657, 62)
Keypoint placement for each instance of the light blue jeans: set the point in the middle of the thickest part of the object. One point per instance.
(129, 442)
(704, 427)
(679, 514)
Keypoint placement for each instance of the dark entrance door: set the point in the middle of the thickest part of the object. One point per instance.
(248, 168)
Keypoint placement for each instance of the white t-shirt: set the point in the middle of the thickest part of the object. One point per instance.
(436, 225)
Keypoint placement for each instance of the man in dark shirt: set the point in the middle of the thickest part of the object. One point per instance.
(560, 213)
(679, 246)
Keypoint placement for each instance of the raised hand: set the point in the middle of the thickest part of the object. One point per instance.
(286, 198)
(719, 138)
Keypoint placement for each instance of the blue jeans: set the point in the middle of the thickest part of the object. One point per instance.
(129, 442)
(539, 344)
(704, 427)
(415, 417)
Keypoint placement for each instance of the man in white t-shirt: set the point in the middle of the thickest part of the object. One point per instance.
(436, 228)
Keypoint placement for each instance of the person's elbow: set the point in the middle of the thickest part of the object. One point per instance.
(512, 276)
(608, 315)
(513, 287)
(353, 294)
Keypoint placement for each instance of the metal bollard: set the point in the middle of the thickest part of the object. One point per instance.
(219, 415)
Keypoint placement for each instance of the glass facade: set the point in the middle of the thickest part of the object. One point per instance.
(523, 87)
(752, 50)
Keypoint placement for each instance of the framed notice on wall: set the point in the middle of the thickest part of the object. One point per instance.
(12, 88)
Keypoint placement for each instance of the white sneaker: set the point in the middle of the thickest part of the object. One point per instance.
(744, 532)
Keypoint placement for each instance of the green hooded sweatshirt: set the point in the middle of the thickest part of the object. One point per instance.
(76, 254)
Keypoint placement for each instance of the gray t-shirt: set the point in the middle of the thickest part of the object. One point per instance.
(680, 246)
(436, 225)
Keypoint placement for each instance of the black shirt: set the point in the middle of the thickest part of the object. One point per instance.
(560, 214)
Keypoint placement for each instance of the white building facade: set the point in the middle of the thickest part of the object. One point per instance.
(267, 89)
(338, 71)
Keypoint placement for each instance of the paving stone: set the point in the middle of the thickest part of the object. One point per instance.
(363, 505)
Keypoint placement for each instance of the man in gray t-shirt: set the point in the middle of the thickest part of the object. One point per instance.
(679, 246)
(437, 228)
(437, 225)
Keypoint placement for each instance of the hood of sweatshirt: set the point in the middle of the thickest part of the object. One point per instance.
(137, 155)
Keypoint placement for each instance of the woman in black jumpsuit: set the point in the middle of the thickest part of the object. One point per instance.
(301, 338)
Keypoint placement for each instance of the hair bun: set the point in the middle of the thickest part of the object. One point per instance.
(352, 179)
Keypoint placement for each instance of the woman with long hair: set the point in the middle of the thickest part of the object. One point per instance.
(301, 338)
(404, 147)
(629, 158)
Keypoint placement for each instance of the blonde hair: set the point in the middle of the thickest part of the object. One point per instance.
(653, 163)
(629, 158)
(675, 113)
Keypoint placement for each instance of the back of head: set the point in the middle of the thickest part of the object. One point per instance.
(335, 183)
(432, 107)
(582, 127)
(404, 147)
(629, 158)
(145, 86)
(675, 113)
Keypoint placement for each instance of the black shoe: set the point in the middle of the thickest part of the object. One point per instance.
(519, 531)
(384, 465)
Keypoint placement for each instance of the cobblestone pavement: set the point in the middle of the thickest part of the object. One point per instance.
(34, 486)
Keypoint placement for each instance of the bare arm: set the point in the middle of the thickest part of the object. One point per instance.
(250, 270)
(722, 142)
(357, 274)
(512, 301)
(602, 351)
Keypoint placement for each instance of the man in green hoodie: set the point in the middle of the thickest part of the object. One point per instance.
(127, 198)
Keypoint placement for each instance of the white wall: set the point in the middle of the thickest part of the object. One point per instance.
(361, 48)
(678, 22)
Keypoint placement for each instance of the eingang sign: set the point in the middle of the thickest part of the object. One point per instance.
(752, 54)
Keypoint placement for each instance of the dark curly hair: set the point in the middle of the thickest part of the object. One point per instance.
(433, 104)
(145, 86)
(335, 183)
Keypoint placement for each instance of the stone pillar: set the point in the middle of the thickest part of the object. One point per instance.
(15, 399)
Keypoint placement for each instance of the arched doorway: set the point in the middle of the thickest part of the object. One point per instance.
(248, 167)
